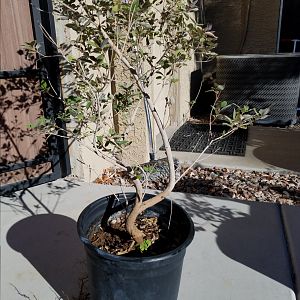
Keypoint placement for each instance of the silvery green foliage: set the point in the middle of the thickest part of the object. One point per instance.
(135, 27)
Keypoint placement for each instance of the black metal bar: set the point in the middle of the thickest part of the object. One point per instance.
(279, 26)
(41, 15)
(55, 104)
(36, 24)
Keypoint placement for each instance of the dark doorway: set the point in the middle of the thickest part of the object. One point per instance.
(290, 30)
(290, 27)
(201, 95)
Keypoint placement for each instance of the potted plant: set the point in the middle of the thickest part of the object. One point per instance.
(135, 242)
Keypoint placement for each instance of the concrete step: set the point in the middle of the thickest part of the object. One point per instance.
(291, 220)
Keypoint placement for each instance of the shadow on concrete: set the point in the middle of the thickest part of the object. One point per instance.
(279, 147)
(50, 243)
(203, 212)
(255, 240)
(27, 202)
(59, 187)
(258, 242)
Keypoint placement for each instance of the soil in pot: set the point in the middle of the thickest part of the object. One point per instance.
(115, 240)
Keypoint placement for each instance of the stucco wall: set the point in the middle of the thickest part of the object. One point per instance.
(88, 166)
(138, 151)
(85, 164)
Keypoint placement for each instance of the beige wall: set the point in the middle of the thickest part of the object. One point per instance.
(180, 110)
(85, 164)
(137, 152)
(88, 166)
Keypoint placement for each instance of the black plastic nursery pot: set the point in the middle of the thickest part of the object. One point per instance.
(113, 277)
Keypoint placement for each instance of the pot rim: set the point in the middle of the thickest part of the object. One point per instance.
(119, 258)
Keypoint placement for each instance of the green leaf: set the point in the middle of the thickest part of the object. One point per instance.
(135, 5)
(73, 26)
(139, 176)
(92, 43)
(70, 58)
(174, 80)
(145, 245)
(220, 87)
(122, 143)
(100, 139)
(149, 169)
(115, 8)
(245, 108)
(39, 123)
(224, 104)
(111, 131)
(264, 111)
(234, 114)
(88, 104)
(44, 85)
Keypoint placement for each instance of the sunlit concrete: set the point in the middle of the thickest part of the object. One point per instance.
(239, 250)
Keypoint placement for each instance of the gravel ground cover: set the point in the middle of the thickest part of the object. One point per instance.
(242, 185)
(239, 184)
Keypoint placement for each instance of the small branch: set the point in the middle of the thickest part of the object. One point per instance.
(228, 133)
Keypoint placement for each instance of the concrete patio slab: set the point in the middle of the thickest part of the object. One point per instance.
(291, 220)
(239, 250)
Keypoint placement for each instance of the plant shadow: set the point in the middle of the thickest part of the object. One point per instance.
(204, 212)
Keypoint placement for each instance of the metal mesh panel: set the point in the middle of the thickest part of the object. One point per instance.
(262, 81)
(195, 137)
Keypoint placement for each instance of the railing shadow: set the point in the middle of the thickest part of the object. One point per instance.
(250, 233)
(203, 212)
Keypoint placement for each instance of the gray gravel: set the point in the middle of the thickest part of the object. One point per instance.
(234, 183)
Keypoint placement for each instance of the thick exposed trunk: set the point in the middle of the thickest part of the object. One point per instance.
(131, 228)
